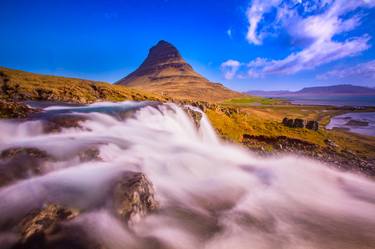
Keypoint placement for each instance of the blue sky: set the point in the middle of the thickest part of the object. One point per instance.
(245, 44)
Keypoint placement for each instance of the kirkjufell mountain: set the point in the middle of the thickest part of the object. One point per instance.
(165, 72)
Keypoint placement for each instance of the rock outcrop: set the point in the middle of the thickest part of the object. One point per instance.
(52, 227)
(300, 123)
(11, 109)
(165, 72)
(312, 125)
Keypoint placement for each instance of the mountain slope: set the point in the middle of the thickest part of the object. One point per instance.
(165, 72)
(21, 85)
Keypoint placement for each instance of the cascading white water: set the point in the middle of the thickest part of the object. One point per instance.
(212, 194)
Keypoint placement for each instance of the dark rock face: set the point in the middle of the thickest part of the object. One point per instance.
(300, 123)
(288, 122)
(312, 125)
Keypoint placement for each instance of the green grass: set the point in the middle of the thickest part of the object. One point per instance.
(266, 121)
(253, 100)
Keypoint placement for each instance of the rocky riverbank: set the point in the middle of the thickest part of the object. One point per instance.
(329, 154)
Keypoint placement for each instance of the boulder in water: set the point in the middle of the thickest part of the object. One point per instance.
(133, 197)
(194, 115)
(50, 227)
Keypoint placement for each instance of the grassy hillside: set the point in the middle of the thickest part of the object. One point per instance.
(185, 89)
(20, 85)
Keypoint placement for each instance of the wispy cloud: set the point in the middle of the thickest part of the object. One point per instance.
(364, 71)
(313, 25)
(230, 68)
(229, 33)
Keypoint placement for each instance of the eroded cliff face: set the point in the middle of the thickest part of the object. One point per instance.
(165, 72)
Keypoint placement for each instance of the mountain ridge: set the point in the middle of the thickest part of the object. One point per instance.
(344, 89)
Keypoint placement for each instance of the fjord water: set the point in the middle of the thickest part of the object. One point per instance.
(212, 194)
(366, 127)
(332, 100)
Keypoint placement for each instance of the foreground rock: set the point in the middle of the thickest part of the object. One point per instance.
(133, 197)
(21, 163)
(53, 227)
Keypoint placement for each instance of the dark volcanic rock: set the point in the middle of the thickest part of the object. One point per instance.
(288, 122)
(47, 229)
(130, 198)
(312, 125)
(133, 197)
(298, 123)
(38, 225)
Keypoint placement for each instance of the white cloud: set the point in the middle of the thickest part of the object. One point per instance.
(229, 33)
(314, 30)
(255, 15)
(230, 68)
(318, 53)
(364, 70)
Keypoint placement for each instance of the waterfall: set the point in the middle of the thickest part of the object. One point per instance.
(212, 194)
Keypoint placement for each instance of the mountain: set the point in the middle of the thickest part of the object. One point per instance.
(337, 90)
(319, 90)
(165, 72)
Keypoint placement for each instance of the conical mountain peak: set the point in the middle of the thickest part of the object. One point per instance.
(163, 52)
(165, 72)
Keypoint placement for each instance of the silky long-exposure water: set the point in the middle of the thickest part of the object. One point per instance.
(212, 194)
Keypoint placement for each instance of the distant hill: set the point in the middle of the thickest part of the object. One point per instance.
(165, 72)
(319, 90)
(21, 85)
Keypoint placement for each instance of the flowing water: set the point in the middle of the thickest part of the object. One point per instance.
(212, 194)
